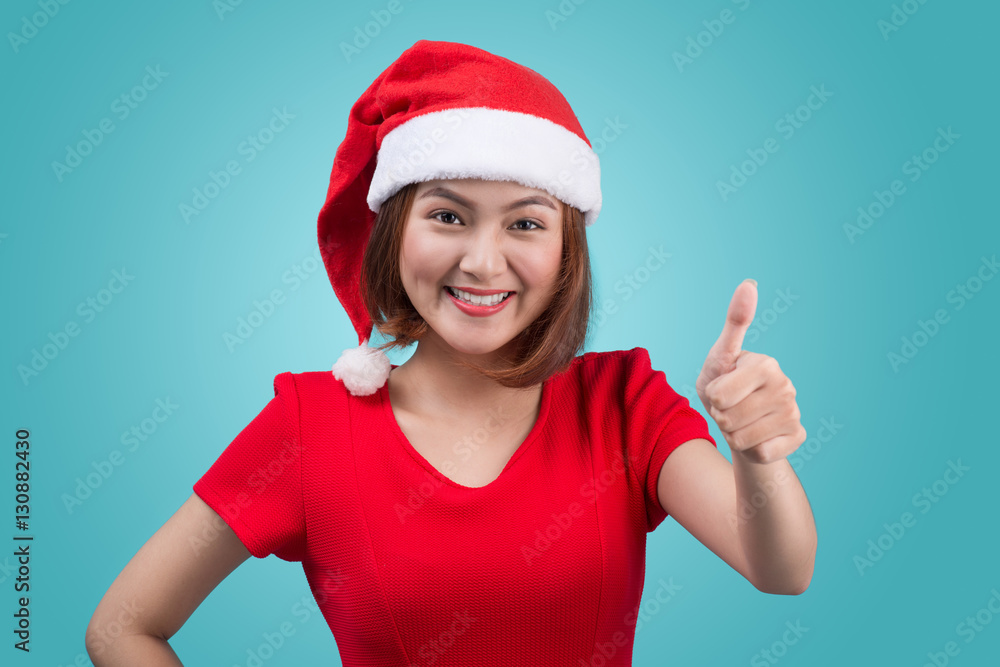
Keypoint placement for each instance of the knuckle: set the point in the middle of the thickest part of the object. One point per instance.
(741, 441)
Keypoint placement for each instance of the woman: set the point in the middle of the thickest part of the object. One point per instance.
(487, 502)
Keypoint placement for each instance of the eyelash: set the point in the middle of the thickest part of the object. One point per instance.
(437, 213)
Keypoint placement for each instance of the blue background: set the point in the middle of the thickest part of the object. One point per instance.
(682, 127)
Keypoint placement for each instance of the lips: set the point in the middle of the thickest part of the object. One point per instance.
(454, 293)
(478, 311)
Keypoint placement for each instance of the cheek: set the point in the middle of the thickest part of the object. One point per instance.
(541, 265)
(421, 259)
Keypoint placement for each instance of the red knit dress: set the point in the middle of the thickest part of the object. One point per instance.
(542, 566)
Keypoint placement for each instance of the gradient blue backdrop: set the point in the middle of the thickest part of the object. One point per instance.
(681, 126)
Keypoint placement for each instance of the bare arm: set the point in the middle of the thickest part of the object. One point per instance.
(161, 586)
(714, 501)
(697, 487)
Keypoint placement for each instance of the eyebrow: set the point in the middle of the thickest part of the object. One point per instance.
(458, 199)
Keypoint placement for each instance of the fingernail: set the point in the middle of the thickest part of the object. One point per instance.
(751, 280)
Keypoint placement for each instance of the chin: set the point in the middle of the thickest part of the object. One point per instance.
(475, 345)
(474, 350)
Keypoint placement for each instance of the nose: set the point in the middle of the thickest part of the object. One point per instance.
(484, 256)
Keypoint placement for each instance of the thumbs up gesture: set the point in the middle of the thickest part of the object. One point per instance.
(747, 394)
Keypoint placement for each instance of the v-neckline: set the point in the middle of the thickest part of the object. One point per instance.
(532, 436)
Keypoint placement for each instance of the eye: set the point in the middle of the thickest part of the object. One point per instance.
(440, 213)
(527, 229)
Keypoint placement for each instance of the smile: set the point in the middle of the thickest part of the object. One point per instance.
(478, 306)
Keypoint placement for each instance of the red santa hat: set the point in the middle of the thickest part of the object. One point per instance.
(443, 110)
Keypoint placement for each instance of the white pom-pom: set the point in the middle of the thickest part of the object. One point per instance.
(362, 369)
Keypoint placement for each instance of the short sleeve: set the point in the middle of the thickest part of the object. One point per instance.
(255, 485)
(658, 420)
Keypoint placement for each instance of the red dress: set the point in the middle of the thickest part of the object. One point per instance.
(542, 566)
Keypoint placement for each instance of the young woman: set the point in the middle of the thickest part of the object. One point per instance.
(487, 502)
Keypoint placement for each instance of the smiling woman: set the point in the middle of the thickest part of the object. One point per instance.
(487, 501)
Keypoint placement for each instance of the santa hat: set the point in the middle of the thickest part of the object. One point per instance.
(443, 110)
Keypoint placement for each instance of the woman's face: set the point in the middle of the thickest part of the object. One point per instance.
(479, 235)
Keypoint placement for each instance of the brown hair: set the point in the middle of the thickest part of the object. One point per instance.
(544, 348)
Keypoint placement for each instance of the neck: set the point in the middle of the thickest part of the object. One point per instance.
(434, 384)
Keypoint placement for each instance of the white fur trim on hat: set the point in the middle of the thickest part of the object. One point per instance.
(362, 369)
(492, 144)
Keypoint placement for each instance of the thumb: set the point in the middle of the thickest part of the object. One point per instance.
(727, 348)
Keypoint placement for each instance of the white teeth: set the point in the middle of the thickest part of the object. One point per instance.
(491, 300)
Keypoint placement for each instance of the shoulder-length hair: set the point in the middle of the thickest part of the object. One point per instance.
(547, 346)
